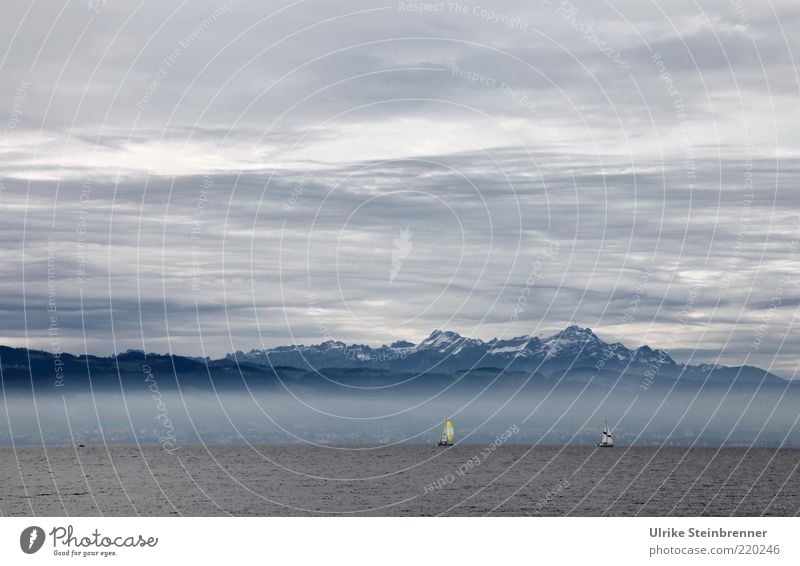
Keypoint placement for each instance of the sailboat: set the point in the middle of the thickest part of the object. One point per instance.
(448, 434)
(608, 440)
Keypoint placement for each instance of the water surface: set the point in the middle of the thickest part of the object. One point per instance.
(517, 480)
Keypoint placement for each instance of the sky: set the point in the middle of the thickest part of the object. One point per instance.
(214, 176)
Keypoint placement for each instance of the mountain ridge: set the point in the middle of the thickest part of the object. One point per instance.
(572, 355)
(572, 348)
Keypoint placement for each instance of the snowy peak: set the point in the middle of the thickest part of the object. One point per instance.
(573, 341)
(574, 335)
(331, 345)
(573, 348)
(446, 341)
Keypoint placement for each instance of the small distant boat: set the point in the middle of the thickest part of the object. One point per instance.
(81, 445)
(608, 440)
(448, 434)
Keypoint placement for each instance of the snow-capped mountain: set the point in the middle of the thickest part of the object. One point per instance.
(445, 351)
(572, 358)
(447, 342)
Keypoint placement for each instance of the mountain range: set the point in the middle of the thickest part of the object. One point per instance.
(574, 349)
(574, 355)
(338, 393)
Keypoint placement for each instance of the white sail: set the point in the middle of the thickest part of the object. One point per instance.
(607, 440)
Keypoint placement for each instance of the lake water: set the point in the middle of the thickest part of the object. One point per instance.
(517, 480)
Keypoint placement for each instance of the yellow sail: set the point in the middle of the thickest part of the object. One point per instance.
(449, 430)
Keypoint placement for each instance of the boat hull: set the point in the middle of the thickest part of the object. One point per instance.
(444, 444)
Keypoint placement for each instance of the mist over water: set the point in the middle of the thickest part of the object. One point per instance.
(376, 417)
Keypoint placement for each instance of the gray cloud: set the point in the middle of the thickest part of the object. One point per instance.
(210, 187)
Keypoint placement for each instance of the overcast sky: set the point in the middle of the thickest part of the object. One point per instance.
(210, 176)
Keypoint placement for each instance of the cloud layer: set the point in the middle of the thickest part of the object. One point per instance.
(219, 176)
